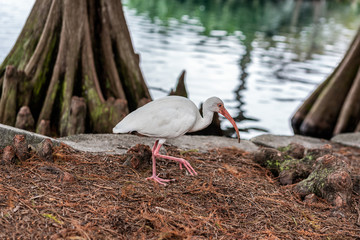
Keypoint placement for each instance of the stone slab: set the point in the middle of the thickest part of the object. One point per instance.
(349, 139)
(120, 143)
(7, 134)
(276, 141)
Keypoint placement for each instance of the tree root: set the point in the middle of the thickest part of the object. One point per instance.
(24, 119)
(20, 151)
(80, 50)
(138, 157)
(312, 171)
(333, 107)
(330, 179)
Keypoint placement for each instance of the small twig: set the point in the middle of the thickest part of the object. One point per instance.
(15, 190)
(96, 185)
(32, 209)
(164, 210)
(38, 196)
(358, 213)
(256, 205)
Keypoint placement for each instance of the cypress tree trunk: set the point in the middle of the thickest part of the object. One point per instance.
(334, 107)
(74, 66)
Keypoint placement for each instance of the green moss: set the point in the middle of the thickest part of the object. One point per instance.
(284, 149)
(54, 218)
(273, 164)
(21, 52)
(24, 88)
(99, 112)
(281, 164)
(107, 84)
(316, 181)
(10, 111)
(288, 163)
(24, 45)
(43, 72)
(65, 108)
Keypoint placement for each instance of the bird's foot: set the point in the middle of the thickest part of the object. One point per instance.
(181, 161)
(159, 180)
(187, 166)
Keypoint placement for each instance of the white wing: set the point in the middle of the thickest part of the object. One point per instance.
(167, 117)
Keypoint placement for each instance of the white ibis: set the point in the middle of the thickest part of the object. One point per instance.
(171, 117)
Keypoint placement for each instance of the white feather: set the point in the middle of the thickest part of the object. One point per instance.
(167, 117)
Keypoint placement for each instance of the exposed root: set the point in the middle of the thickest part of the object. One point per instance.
(79, 50)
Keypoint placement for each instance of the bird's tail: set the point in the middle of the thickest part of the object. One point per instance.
(118, 128)
(122, 127)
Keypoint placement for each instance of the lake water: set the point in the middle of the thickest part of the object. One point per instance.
(263, 58)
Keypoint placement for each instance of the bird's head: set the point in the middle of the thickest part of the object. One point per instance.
(215, 104)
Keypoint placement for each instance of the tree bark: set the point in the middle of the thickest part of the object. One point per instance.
(24, 119)
(70, 49)
(350, 112)
(334, 107)
(304, 109)
(9, 94)
(357, 129)
(21, 147)
(312, 171)
(77, 116)
(180, 89)
(45, 150)
(330, 179)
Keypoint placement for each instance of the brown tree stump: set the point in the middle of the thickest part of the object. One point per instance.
(73, 61)
(9, 95)
(9, 155)
(24, 119)
(44, 127)
(45, 150)
(333, 107)
(330, 179)
(77, 117)
(21, 147)
(313, 171)
(138, 157)
(180, 89)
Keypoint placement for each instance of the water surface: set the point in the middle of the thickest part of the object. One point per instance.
(263, 58)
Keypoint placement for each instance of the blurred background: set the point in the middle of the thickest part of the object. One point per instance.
(262, 57)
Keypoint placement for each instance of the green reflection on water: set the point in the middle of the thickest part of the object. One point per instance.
(302, 28)
(248, 15)
(304, 24)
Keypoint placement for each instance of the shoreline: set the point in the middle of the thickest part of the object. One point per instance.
(120, 143)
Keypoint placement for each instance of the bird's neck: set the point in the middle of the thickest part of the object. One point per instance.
(204, 121)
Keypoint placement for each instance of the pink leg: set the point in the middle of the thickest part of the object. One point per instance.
(154, 176)
(179, 160)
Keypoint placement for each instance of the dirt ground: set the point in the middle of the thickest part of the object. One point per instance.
(85, 196)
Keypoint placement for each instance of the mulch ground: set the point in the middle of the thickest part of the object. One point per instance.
(85, 196)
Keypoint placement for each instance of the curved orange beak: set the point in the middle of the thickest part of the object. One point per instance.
(226, 114)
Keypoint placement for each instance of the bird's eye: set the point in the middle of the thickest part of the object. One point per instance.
(219, 105)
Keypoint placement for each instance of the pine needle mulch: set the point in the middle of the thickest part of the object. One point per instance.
(86, 196)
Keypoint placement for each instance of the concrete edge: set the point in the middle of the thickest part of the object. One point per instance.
(7, 133)
(120, 143)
